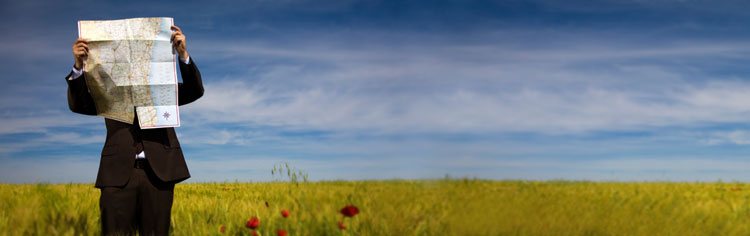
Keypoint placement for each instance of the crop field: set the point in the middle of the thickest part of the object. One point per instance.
(404, 207)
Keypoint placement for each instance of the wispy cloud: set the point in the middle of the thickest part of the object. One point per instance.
(511, 89)
(428, 86)
(737, 137)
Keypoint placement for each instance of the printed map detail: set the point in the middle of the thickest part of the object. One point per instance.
(131, 70)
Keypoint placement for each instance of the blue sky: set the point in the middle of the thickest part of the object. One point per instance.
(542, 89)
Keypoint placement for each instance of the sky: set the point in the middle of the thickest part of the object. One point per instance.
(606, 90)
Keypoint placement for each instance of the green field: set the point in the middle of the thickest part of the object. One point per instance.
(402, 207)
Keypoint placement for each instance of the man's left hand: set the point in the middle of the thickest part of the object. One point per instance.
(179, 43)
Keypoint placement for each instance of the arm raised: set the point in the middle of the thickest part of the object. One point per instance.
(79, 98)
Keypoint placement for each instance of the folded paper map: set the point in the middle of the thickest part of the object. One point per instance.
(131, 70)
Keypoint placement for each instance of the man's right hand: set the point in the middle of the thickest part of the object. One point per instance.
(80, 52)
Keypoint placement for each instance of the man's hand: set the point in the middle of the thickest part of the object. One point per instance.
(80, 52)
(179, 43)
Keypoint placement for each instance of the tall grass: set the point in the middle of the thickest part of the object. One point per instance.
(405, 207)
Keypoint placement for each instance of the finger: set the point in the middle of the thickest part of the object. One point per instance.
(171, 39)
(81, 45)
(82, 50)
(175, 28)
(82, 53)
(179, 39)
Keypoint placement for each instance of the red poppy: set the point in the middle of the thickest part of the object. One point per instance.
(285, 213)
(281, 232)
(254, 233)
(349, 211)
(222, 228)
(253, 222)
(341, 225)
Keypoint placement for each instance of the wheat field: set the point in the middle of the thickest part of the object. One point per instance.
(405, 207)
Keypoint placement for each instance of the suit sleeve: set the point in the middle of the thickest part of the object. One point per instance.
(79, 98)
(191, 87)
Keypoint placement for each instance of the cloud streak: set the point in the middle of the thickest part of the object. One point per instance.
(472, 87)
(495, 89)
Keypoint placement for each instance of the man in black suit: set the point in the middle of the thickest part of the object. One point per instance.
(138, 167)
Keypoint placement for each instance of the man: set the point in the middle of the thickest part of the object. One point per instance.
(138, 167)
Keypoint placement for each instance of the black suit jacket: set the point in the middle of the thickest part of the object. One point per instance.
(161, 145)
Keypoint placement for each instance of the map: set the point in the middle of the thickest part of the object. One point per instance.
(131, 70)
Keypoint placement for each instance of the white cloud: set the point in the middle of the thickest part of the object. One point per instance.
(467, 86)
(42, 121)
(737, 137)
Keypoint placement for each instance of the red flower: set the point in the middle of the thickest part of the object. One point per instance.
(253, 223)
(285, 213)
(222, 228)
(341, 225)
(281, 232)
(349, 211)
(254, 233)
